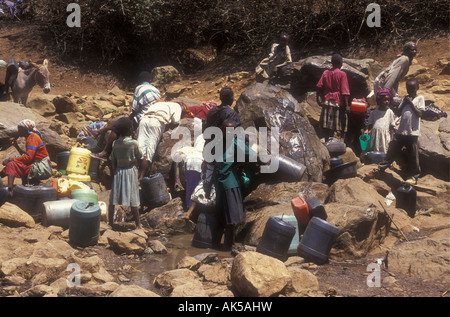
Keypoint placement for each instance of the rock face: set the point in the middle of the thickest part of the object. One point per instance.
(306, 73)
(268, 106)
(434, 148)
(13, 113)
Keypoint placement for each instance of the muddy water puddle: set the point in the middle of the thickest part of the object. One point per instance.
(178, 246)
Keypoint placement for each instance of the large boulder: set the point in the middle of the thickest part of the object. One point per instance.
(434, 148)
(167, 219)
(13, 216)
(353, 207)
(267, 106)
(134, 242)
(257, 275)
(13, 113)
(360, 73)
(273, 194)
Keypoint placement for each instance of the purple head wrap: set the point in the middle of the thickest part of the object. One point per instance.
(382, 93)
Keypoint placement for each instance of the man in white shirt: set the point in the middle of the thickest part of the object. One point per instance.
(145, 95)
(151, 128)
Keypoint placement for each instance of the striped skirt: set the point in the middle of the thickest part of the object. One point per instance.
(333, 118)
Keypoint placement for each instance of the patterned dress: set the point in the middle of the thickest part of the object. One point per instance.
(125, 156)
(382, 122)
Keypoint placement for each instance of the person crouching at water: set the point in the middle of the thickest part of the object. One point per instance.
(34, 164)
(126, 157)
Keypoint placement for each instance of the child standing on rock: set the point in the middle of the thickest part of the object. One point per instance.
(407, 133)
(381, 122)
(125, 157)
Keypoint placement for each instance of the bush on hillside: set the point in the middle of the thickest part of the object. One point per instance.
(151, 30)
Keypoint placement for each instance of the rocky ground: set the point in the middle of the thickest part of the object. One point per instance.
(415, 251)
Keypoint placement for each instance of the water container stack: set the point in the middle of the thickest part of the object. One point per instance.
(318, 235)
(338, 170)
(305, 209)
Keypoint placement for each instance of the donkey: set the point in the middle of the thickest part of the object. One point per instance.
(27, 79)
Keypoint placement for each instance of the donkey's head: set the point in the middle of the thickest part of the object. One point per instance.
(43, 77)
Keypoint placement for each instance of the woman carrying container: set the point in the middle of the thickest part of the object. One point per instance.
(34, 164)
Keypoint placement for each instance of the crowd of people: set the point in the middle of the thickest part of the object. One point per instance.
(133, 139)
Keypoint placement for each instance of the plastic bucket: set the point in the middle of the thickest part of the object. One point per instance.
(364, 141)
(84, 224)
(88, 195)
(406, 197)
(316, 209)
(207, 232)
(336, 148)
(290, 169)
(342, 171)
(317, 241)
(79, 161)
(301, 211)
(93, 169)
(31, 198)
(276, 238)
(62, 159)
(154, 191)
(358, 106)
(292, 220)
(57, 213)
(4, 192)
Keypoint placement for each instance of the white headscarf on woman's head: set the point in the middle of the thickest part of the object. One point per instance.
(30, 125)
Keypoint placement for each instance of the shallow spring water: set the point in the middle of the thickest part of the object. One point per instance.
(178, 247)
